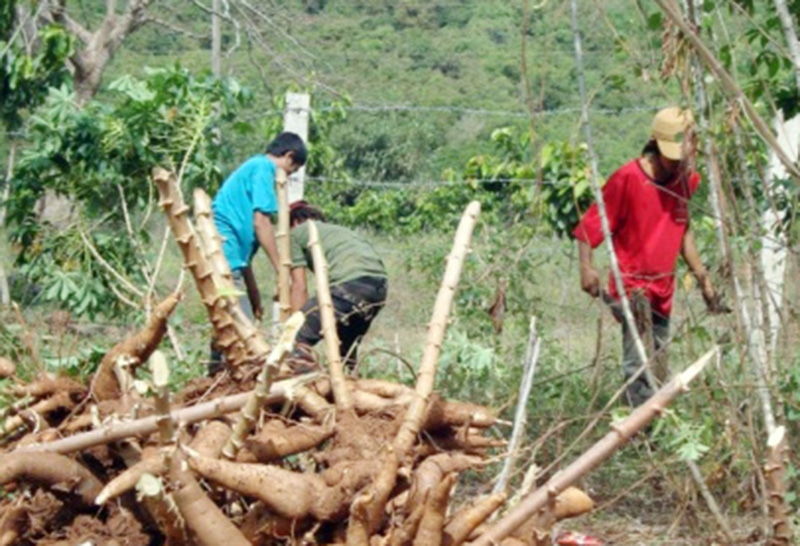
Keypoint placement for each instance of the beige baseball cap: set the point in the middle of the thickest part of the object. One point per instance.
(670, 127)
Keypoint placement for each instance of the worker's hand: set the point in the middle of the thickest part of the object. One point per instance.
(258, 310)
(590, 281)
(713, 300)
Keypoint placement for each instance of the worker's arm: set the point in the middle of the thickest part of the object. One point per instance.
(299, 293)
(692, 259)
(265, 234)
(253, 293)
(590, 280)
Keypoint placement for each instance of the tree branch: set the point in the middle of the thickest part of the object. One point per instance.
(59, 15)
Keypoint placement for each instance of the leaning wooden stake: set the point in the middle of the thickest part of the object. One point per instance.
(282, 240)
(340, 392)
(247, 418)
(619, 435)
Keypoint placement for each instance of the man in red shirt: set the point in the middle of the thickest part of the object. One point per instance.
(646, 203)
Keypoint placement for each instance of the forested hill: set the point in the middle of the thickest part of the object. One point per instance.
(427, 80)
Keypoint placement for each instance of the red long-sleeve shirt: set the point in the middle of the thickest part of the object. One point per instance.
(647, 222)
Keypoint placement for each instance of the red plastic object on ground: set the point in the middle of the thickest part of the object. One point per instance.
(569, 538)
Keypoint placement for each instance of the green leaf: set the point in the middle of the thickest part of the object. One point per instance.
(135, 89)
(655, 21)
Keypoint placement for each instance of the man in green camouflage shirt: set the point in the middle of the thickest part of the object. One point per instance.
(357, 279)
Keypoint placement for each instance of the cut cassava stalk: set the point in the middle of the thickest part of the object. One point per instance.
(341, 395)
(282, 240)
(171, 200)
(210, 244)
(430, 528)
(136, 349)
(416, 413)
(415, 416)
(247, 418)
(148, 425)
(50, 469)
(162, 508)
(160, 373)
(619, 435)
(210, 240)
(775, 472)
(466, 520)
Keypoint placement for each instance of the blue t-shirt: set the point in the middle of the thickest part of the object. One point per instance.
(248, 189)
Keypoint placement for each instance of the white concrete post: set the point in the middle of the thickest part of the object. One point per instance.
(295, 120)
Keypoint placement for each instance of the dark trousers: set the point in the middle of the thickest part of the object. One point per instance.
(356, 303)
(640, 390)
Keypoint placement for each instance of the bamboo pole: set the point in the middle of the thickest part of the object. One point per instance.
(282, 240)
(341, 394)
(619, 435)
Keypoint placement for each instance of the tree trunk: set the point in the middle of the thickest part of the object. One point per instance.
(216, 40)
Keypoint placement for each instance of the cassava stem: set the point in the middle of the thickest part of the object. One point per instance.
(340, 393)
(619, 435)
(247, 417)
(148, 425)
(176, 209)
(282, 240)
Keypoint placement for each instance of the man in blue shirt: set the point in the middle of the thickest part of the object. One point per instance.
(242, 210)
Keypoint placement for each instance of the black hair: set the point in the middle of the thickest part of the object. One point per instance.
(288, 142)
(302, 211)
(651, 148)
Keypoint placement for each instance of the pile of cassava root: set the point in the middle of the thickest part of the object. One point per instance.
(256, 456)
